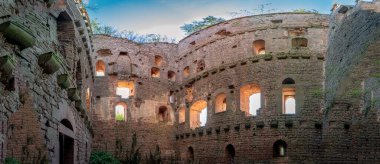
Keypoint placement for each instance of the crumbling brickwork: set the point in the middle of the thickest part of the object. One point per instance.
(44, 51)
(213, 71)
(218, 68)
(272, 88)
(352, 85)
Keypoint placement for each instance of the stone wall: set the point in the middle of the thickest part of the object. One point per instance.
(352, 85)
(231, 68)
(130, 62)
(214, 71)
(39, 41)
(51, 94)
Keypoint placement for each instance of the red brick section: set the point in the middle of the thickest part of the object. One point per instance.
(32, 104)
(25, 136)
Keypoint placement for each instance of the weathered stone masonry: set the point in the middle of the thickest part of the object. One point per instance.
(302, 55)
(61, 86)
(46, 78)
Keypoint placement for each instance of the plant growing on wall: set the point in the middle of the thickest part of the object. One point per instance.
(119, 117)
(155, 158)
(102, 157)
(11, 160)
(199, 25)
(133, 156)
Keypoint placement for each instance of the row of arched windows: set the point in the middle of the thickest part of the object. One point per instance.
(154, 71)
(279, 150)
(250, 102)
(258, 48)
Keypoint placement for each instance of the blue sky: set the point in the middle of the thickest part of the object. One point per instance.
(166, 16)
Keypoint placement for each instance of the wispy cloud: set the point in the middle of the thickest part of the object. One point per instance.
(166, 16)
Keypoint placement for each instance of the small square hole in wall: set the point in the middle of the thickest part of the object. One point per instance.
(123, 53)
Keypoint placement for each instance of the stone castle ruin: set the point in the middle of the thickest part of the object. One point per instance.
(271, 88)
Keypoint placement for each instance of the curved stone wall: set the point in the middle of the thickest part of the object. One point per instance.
(233, 40)
(39, 42)
(221, 60)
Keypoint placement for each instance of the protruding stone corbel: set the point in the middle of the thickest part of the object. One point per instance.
(64, 81)
(50, 62)
(73, 94)
(7, 65)
(18, 34)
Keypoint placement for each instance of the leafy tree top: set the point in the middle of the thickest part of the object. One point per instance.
(98, 28)
(199, 25)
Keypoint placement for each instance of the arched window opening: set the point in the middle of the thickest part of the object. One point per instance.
(100, 68)
(65, 27)
(279, 148)
(182, 115)
(171, 97)
(186, 71)
(158, 60)
(258, 47)
(230, 153)
(65, 34)
(67, 124)
(289, 100)
(201, 65)
(66, 144)
(171, 75)
(221, 103)
(163, 114)
(125, 89)
(88, 99)
(288, 81)
(299, 42)
(155, 72)
(198, 114)
(250, 99)
(120, 110)
(190, 155)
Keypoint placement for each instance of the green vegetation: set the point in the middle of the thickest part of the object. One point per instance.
(119, 117)
(305, 11)
(317, 92)
(102, 157)
(355, 93)
(98, 28)
(375, 75)
(199, 25)
(133, 156)
(10, 160)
